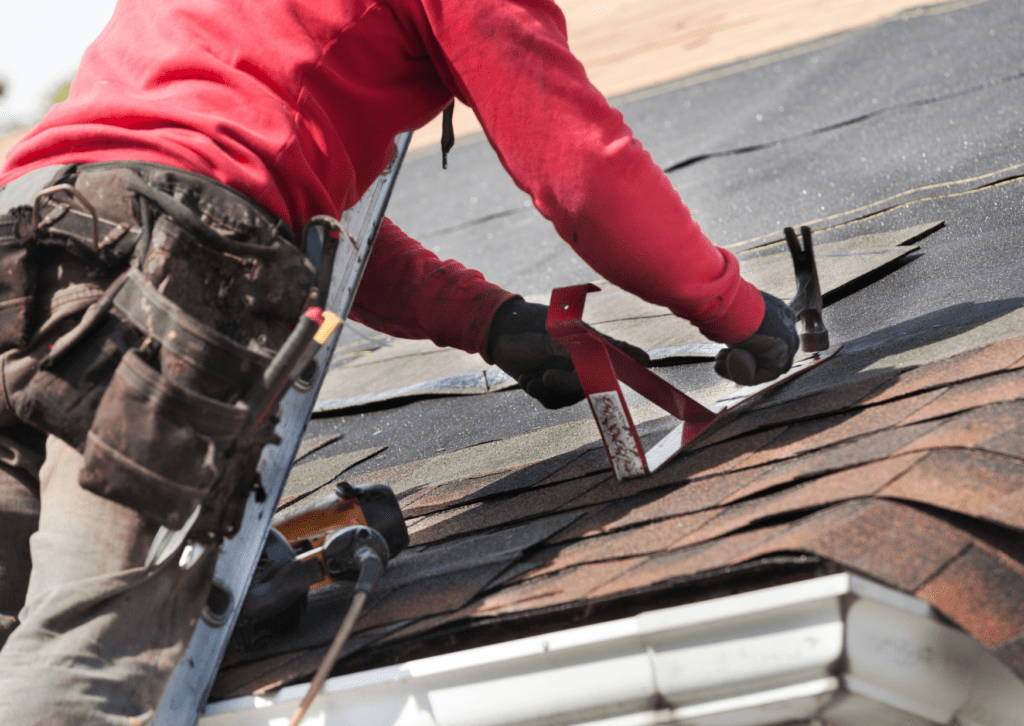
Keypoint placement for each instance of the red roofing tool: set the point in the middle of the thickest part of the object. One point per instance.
(601, 366)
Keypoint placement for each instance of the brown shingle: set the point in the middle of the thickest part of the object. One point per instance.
(871, 419)
(722, 457)
(874, 447)
(982, 590)
(769, 413)
(996, 388)
(961, 367)
(642, 540)
(592, 522)
(1009, 510)
(837, 398)
(840, 428)
(567, 586)
(590, 462)
(970, 429)
(960, 480)
(887, 541)
(1010, 442)
(609, 489)
(835, 475)
(435, 497)
(890, 542)
(852, 483)
(795, 440)
(688, 561)
(500, 512)
(686, 497)
(429, 596)
(422, 626)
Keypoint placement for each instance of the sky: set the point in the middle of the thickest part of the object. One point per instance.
(42, 45)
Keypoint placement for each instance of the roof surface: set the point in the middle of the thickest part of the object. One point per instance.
(901, 460)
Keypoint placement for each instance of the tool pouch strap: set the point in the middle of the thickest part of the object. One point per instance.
(17, 279)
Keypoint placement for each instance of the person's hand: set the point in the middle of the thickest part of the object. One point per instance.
(519, 344)
(768, 353)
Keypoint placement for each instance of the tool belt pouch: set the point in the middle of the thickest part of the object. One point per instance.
(144, 383)
(17, 280)
(157, 447)
(61, 396)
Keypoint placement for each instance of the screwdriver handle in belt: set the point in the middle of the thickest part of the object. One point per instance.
(312, 330)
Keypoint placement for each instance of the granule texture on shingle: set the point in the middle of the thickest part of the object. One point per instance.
(1010, 442)
(996, 388)
(973, 363)
(722, 457)
(858, 482)
(650, 538)
(858, 476)
(443, 495)
(498, 513)
(874, 447)
(589, 462)
(862, 422)
(960, 480)
(429, 596)
(1009, 510)
(890, 542)
(609, 489)
(684, 497)
(575, 584)
(771, 412)
(688, 561)
(982, 590)
(972, 428)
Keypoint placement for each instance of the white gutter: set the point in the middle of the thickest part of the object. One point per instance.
(838, 649)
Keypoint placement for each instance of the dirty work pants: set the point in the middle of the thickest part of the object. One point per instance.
(99, 634)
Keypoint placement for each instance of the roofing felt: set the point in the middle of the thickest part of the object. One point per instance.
(901, 459)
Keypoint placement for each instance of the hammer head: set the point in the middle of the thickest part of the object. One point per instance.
(807, 302)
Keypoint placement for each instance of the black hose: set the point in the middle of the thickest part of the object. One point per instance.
(370, 570)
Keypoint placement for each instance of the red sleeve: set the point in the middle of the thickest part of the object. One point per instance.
(565, 146)
(408, 292)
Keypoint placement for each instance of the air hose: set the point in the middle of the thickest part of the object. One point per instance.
(370, 559)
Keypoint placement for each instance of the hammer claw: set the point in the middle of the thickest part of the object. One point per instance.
(807, 303)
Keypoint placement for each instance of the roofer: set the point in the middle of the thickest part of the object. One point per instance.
(150, 267)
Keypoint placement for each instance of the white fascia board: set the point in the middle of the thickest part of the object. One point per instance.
(839, 648)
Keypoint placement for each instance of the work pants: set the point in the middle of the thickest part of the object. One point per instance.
(99, 633)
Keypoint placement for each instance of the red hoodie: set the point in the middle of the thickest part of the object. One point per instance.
(295, 103)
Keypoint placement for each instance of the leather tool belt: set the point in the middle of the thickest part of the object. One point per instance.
(138, 305)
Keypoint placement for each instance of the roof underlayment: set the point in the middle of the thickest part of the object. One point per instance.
(901, 460)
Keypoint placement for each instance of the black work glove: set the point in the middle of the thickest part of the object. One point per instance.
(766, 354)
(519, 344)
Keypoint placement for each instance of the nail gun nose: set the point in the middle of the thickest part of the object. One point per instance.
(807, 301)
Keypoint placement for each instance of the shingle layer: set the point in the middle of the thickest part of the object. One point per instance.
(914, 479)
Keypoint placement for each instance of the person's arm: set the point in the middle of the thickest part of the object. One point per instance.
(408, 292)
(566, 147)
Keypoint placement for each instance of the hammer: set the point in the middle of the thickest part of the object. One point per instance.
(807, 302)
